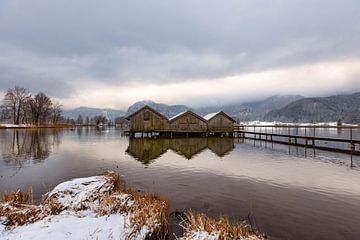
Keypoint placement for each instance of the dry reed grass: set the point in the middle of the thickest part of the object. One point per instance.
(19, 197)
(17, 208)
(223, 228)
(146, 209)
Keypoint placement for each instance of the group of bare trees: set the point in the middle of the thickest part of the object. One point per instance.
(22, 107)
(99, 119)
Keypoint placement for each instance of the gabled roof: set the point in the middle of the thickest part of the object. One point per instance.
(177, 115)
(148, 108)
(187, 112)
(210, 116)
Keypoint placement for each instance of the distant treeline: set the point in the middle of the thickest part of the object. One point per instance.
(96, 120)
(21, 107)
(99, 119)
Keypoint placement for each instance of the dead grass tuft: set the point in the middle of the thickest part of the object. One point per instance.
(52, 207)
(151, 210)
(146, 210)
(116, 180)
(19, 197)
(17, 209)
(223, 228)
(19, 214)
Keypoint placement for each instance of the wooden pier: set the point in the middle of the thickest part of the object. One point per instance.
(308, 139)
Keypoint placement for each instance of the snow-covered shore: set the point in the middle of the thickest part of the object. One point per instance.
(7, 125)
(320, 124)
(85, 208)
(99, 207)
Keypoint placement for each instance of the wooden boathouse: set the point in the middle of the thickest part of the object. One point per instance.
(147, 120)
(188, 122)
(219, 122)
(152, 123)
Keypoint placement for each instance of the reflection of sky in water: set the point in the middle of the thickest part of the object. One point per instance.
(198, 173)
(66, 152)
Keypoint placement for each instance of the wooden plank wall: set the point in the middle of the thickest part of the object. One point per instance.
(220, 123)
(188, 122)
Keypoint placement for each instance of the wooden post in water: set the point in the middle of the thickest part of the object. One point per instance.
(306, 141)
(313, 142)
(289, 135)
(352, 145)
(266, 137)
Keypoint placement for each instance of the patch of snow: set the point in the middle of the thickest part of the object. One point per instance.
(261, 123)
(210, 116)
(8, 125)
(76, 193)
(76, 225)
(2, 224)
(177, 115)
(201, 235)
(204, 235)
(81, 218)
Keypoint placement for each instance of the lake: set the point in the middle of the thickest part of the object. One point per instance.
(286, 192)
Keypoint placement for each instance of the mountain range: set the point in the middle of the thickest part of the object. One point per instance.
(255, 110)
(320, 109)
(166, 110)
(285, 108)
(245, 112)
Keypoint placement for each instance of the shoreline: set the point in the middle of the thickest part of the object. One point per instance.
(102, 207)
(28, 126)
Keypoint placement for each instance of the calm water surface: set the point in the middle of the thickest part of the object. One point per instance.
(290, 193)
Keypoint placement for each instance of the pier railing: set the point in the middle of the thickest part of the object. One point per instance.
(305, 136)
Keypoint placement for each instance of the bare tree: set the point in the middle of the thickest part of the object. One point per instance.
(15, 101)
(87, 120)
(80, 120)
(56, 112)
(100, 120)
(40, 108)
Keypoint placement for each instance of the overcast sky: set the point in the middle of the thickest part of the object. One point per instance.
(113, 53)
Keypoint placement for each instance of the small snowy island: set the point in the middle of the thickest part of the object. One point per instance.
(100, 207)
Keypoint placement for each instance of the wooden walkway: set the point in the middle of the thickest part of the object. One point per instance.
(307, 140)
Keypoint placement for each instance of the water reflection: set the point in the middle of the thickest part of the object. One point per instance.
(221, 146)
(21, 145)
(290, 196)
(188, 147)
(340, 159)
(146, 150)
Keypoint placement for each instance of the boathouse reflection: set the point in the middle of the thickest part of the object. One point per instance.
(147, 150)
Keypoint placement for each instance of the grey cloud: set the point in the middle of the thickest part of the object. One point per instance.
(56, 45)
(53, 86)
